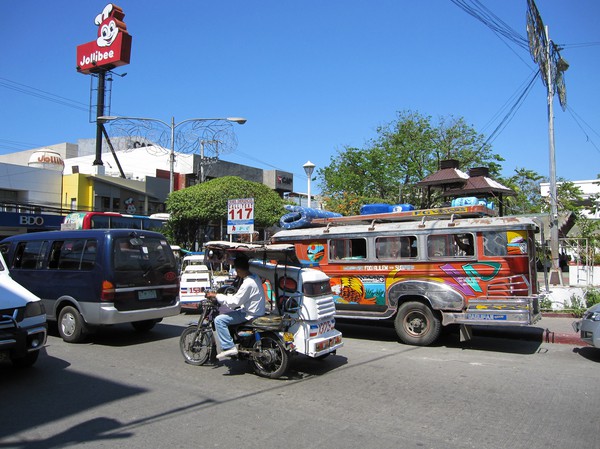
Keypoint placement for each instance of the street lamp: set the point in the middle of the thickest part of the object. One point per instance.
(172, 126)
(309, 167)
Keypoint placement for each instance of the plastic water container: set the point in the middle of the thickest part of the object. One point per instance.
(402, 207)
(466, 201)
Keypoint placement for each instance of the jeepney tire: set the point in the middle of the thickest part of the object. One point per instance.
(71, 326)
(25, 361)
(416, 324)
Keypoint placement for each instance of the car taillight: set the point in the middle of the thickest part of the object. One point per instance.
(108, 291)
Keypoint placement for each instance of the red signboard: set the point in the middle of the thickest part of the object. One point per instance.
(111, 49)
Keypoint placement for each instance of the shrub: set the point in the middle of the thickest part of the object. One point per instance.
(575, 305)
(592, 297)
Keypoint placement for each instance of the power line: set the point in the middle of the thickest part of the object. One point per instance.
(492, 21)
(38, 93)
(510, 114)
(577, 119)
(516, 94)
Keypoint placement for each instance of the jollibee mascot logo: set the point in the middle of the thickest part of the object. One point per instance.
(112, 46)
(130, 206)
(109, 22)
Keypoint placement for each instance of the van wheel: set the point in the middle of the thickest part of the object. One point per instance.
(416, 324)
(70, 325)
(144, 326)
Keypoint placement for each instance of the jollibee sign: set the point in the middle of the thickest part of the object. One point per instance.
(111, 49)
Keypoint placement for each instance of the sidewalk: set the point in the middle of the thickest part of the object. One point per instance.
(547, 330)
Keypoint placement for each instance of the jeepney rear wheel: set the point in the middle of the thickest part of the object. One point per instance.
(416, 324)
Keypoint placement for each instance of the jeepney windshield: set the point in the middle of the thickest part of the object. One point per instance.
(505, 243)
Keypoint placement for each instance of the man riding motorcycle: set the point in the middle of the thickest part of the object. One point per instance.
(246, 304)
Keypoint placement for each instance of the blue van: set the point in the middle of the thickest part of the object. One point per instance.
(91, 278)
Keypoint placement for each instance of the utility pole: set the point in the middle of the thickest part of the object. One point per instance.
(546, 54)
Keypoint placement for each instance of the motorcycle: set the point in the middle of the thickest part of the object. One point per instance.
(264, 341)
(301, 319)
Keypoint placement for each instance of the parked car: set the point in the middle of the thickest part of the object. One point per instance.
(96, 277)
(589, 326)
(23, 326)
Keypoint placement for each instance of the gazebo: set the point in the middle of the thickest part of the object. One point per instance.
(454, 183)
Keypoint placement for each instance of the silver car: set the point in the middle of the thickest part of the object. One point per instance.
(589, 326)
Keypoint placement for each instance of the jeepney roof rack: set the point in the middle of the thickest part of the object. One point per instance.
(452, 212)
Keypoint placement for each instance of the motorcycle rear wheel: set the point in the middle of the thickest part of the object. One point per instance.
(272, 359)
(196, 347)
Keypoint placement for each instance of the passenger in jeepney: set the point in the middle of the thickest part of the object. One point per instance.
(465, 243)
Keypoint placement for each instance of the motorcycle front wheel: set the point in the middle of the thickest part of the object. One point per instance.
(196, 346)
(271, 358)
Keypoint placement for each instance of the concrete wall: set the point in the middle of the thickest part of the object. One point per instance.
(32, 185)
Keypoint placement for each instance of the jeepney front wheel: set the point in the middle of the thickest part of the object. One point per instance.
(416, 324)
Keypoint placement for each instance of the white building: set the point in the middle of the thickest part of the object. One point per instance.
(591, 195)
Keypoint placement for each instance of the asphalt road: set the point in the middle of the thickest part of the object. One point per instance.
(134, 391)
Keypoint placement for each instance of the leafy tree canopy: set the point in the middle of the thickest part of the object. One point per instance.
(196, 206)
(526, 185)
(403, 153)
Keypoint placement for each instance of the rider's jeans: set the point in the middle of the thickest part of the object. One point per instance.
(226, 319)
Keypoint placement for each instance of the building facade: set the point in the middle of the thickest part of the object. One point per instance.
(133, 181)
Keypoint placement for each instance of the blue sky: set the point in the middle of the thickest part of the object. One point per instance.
(311, 77)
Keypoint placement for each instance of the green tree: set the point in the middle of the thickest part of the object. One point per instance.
(193, 208)
(404, 152)
(528, 198)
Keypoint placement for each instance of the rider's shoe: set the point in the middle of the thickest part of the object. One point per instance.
(232, 352)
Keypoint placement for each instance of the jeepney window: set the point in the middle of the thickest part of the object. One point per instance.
(347, 249)
(505, 243)
(396, 247)
(450, 245)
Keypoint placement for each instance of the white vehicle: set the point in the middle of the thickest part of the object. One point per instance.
(312, 310)
(23, 327)
(192, 260)
(196, 279)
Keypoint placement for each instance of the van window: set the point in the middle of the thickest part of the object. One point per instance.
(68, 255)
(347, 249)
(450, 245)
(89, 255)
(29, 255)
(396, 247)
(134, 254)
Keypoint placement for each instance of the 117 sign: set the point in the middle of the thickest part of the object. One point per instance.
(240, 216)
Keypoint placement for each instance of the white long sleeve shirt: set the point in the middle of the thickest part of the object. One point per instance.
(250, 297)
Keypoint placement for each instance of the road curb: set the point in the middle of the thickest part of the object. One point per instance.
(558, 337)
(536, 334)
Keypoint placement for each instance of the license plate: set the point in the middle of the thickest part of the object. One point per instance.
(147, 294)
(288, 336)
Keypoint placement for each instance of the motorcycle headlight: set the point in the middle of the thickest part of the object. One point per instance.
(34, 308)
